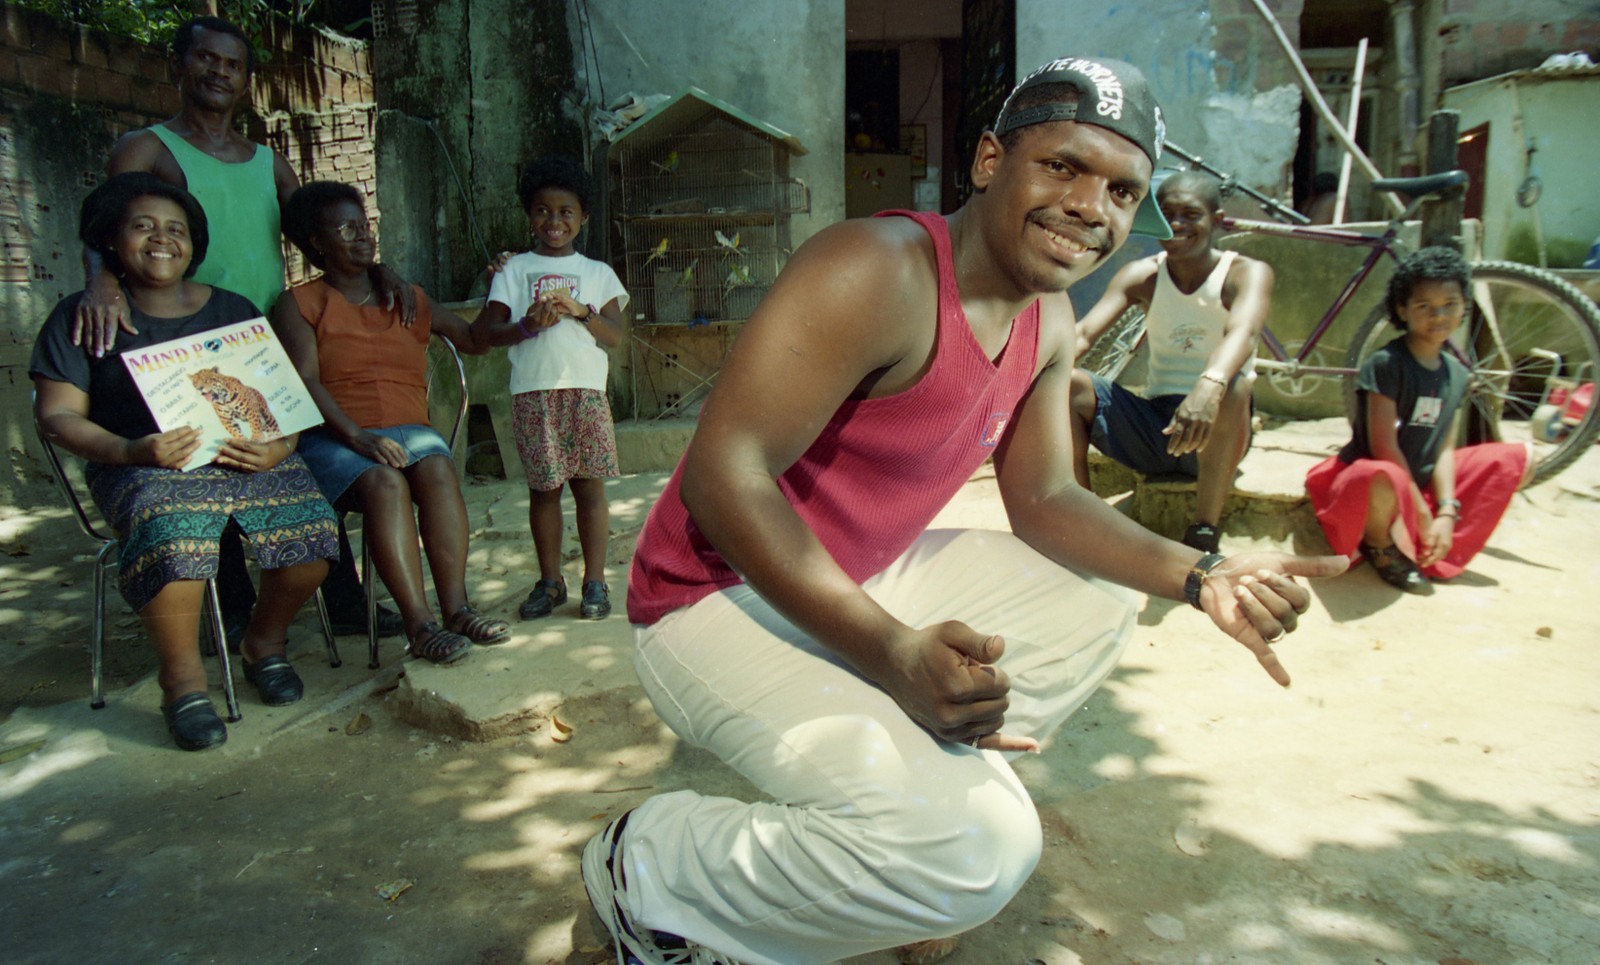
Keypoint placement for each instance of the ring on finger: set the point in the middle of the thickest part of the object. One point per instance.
(1278, 636)
(973, 740)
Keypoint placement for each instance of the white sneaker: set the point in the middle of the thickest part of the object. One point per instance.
(605, 879)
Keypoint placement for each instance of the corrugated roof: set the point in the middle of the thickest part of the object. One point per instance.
(691, 104)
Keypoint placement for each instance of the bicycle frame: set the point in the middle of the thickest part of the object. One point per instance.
(1380, 245)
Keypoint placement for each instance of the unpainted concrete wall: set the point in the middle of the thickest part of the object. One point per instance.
(780, 61)
(467, 92)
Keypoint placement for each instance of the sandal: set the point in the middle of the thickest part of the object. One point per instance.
(435, 644)
(546, 596)
(477, 627)
(1395, 569)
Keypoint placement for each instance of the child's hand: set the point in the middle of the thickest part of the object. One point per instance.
(540, 316)
(1437, 539)
(563, 303)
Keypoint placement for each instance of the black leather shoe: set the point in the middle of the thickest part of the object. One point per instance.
(1396, 569)
(1203, 537)
(596, 600)
(546, 596)
(275, 680)
(389, 624)
(193, 722)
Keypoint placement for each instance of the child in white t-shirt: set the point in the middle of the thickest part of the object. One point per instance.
(560, 311)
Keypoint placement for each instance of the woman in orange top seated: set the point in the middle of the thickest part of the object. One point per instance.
(376, 454)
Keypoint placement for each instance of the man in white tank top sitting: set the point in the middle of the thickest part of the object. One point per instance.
(1204, 309)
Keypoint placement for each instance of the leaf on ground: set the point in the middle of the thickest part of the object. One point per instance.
(1166, 926)
(1545, 632)
(359, 725)
(1192, 839)
(390, 890)
(20, 751)
(560, 730)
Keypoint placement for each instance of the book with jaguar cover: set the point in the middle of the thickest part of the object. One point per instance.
(231, 382)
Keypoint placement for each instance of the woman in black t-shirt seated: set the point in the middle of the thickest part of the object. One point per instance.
(152, 235)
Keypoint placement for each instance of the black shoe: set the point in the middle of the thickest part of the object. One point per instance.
(546, 596)
(1203, 537)
(389, 624)
(193, 722)
(596, 600)
(275, 680)
(1396, 570)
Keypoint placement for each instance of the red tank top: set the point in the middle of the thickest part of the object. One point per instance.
(881, 468)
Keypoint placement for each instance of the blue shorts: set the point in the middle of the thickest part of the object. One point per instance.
(1127, 427)
(336, 466)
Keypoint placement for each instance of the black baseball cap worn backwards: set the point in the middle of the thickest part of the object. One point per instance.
(1111, 94)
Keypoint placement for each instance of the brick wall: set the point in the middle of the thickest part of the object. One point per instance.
(66, 95)
(1482, 38)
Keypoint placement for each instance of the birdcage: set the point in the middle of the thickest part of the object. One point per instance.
(702, 200)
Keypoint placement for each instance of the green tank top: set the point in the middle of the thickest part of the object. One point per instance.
(241, 206)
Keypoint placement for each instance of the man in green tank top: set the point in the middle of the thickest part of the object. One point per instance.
(241, 185)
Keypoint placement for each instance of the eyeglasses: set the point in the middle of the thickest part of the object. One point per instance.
(351, 230)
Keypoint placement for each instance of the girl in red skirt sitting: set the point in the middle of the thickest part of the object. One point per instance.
(1400, 491)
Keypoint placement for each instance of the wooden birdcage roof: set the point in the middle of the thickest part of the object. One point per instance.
(688, 107)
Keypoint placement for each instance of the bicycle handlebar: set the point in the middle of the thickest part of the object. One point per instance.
(1268, 204)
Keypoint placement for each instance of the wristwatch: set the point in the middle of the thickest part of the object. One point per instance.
(1197, 577)
(592, 313)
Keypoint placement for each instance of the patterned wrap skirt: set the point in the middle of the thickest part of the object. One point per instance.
(1487, 476)
(170, 521)
(564, 434)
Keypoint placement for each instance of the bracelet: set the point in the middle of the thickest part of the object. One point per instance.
(522, 326)
(1214, 378)
(1197, 577)
(1454, 504)
(592, 313)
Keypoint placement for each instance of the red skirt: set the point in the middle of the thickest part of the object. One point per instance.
(1486, 477)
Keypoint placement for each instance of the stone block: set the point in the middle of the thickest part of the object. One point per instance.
(13, 26)
(34, 73)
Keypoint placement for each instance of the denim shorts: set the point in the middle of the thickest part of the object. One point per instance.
(1127, 427)
(336, 466)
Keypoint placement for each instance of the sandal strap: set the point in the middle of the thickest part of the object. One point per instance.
(478, 628)
(434, 642)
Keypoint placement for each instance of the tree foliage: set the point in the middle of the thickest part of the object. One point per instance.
(153, 21)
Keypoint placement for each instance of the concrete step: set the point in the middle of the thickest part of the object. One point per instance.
(1268, 499)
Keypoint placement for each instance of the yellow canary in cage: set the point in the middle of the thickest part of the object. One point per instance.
(660, 250)
(669, 165)
(723, 240)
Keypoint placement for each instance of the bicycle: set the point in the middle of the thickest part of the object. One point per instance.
(1531, 340)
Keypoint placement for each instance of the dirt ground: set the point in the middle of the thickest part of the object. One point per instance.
(1427, 792)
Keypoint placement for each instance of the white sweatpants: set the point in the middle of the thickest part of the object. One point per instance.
(877, 834)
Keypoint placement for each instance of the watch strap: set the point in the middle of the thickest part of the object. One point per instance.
(1197, 577)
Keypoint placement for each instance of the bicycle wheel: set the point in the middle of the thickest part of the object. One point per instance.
(1532, 342)
(1116, 346)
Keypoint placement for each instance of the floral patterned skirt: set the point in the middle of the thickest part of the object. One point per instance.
(170, 521)
(564, 434)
